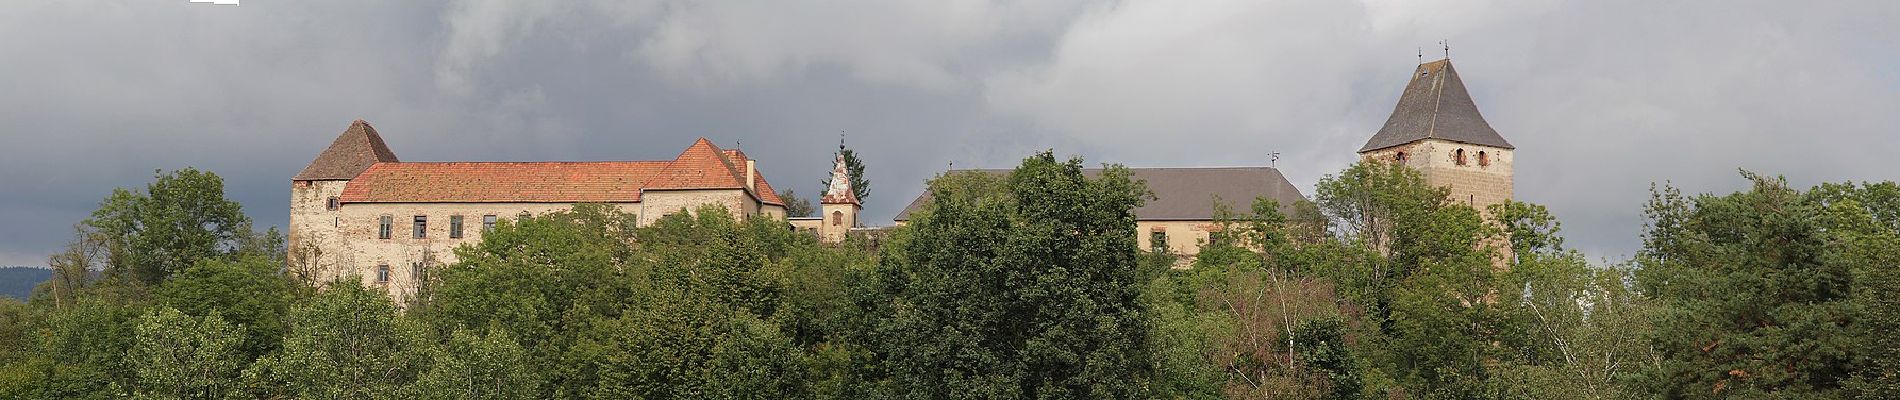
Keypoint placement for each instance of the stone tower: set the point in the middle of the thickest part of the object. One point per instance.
(1437, 130)
(840, 205)
(314, 245)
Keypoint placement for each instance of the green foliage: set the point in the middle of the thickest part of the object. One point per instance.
(1759, 289)
(178, 356)
(1028, 292)
(248, 291)
(347, 342)
(180, 218)
(480, 366)
(1027, 285)
(796, 206)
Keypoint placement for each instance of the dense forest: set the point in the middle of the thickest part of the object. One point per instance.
(18, 282)
(1028, 285)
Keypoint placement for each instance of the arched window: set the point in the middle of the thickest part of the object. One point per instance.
(1459, 156)
(837, 218)
(1484, 160)
(1399, 157)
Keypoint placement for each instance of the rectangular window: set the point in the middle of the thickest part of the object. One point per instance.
(422, 226)
(382, 229)
(333, 204)
(455, 227)
(488, 222)
(1159, 241)
(382, 273)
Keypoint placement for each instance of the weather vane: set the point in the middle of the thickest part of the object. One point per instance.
(1447, 45)
(1274, 162)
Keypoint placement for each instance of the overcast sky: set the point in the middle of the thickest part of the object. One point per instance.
(1601, 97)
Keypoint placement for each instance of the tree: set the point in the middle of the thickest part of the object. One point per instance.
(1585, 326)
(180, 218)
(346, 343)
(1030, 292)
(796, 206)
(480, 366)
(247, 291)
(1758, 290)
(179, 356)
(860, 186)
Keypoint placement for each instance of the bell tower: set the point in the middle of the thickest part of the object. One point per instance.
(1437, 130)
(840, 205)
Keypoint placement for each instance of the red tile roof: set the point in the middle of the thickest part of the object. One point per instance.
(352, 152)
(700, 166)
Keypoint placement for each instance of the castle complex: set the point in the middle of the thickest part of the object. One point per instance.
(359, 211)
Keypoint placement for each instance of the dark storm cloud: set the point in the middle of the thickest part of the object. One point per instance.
(1601, 97)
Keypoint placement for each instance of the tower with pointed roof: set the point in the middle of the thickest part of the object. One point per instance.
(1437, 130)
(316, 193)
(840, 205)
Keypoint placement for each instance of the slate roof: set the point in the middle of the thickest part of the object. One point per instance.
(1185, 194)
(1435, 105)
(352, 152)
(382, 179)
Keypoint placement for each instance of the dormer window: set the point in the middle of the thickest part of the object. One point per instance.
(1459, 156)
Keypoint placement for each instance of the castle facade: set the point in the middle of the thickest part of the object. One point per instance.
(358, 212)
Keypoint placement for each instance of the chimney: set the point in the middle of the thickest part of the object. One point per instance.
(751, 174)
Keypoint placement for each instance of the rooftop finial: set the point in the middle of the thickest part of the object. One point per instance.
(840, 140)
(1421, 55)
(1274, 162)
(1447, 45)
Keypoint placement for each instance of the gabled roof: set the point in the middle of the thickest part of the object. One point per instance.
(1185, 194)
(502, 182)
(700, 166)
(350, 154)
(1435, 105)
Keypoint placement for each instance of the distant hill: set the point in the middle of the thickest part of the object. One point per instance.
(18, 282)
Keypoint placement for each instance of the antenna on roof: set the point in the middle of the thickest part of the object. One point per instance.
(1274, 162)
(1447, 44)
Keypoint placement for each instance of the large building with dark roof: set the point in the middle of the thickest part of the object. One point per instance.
(1437, 130)
(1182, 216)
(359, 211)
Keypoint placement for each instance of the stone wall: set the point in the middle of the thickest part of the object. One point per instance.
(1185, 238)
(1477, 184)
(345, 243)
(657, 203)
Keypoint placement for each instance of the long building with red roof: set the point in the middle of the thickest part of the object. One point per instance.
(358, 211)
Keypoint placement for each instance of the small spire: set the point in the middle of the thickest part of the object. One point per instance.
(840, 140)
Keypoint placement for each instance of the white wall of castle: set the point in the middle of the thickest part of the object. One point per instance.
(346, 243)
(1475, 183)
